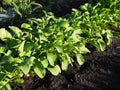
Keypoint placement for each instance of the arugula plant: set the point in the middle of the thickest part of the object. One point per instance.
(39, 45)
(93, 22)
(52, 44)
(25, 7)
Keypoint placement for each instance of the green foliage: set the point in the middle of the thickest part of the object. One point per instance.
(52, 44)
(25, 7)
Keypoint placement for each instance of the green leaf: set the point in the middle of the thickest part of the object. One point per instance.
(21, 47)
(2, 76)
(58, 45)
(59, 49)
(54, 70)
(83, 49)
(51, 58)
(16, 8)
(70, 60)
(28, 46)
(109, 37)
(80, 59)
(102, 44)
(39, 70)
(63, 23)
(2, 49)
(95, 44)
(44, 62)
(4, 59)
(9, 67)
(26, 26)
(65, 63)
(84, 7)
(16, 30)
(26, 65)
(13, 43)
(4, 34)
(23, 54)
(6, 87)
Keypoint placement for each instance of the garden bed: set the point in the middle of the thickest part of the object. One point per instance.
(81, 32)
(101, 71)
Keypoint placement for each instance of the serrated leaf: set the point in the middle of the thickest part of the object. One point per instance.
(80, 59)
(16, 30)
(54, 70)
(39, 70)
(51, 58)
(4, 34)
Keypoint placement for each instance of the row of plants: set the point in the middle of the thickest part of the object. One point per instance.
(50, 44)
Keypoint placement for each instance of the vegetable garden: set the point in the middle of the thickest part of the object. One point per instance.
(42, 48)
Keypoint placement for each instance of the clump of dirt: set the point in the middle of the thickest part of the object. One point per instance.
(101, 71)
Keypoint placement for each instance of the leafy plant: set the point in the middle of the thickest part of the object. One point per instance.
(52, 44)
(39, 46)
(25, 7)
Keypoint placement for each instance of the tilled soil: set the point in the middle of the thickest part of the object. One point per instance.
(101, 71)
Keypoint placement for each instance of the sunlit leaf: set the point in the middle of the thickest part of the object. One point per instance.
(39, 70)
(80, 59)
(64, 63)
(21, 47)
(51, 58)
(44, 62)
(83, 49)
(102, 44)
(26, 65)
(4, 34)
(26, 26)
(2, 49)
(16, 30)
(54, 70)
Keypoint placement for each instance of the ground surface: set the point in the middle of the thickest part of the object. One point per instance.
(101, 71)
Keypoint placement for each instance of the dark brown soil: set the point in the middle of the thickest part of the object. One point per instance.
(101, 71)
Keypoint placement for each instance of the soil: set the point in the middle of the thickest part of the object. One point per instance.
(101, 71)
